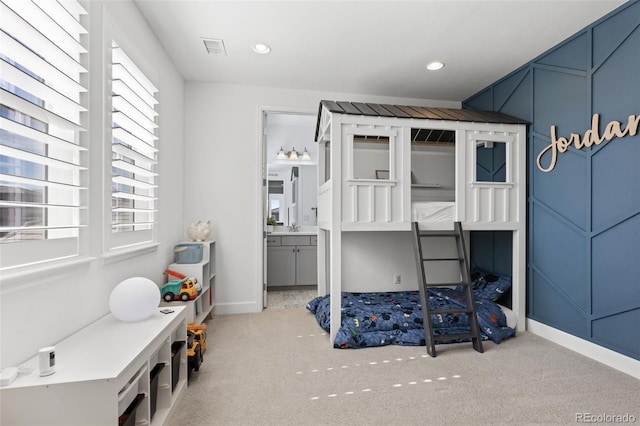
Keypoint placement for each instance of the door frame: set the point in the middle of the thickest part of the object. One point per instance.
(261, 235)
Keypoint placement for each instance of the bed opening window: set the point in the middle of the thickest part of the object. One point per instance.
(433, 160)
(491, 164)
(371, 157)
(432, 137)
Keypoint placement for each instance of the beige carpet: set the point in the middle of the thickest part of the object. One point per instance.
(278, 368)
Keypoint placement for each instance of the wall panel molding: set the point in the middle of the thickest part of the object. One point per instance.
(584, 214)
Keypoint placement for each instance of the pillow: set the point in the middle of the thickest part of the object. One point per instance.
(488, 286)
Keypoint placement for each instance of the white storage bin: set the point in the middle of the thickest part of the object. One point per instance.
(129, 392)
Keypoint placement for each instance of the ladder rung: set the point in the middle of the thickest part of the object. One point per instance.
(437, 234)
(453, 336)
(451, 311)
(442, 259)
(444, 284)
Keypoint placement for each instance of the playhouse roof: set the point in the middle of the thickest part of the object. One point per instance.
(417, 112)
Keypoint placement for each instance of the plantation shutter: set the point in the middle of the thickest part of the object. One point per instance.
(134, 153)
(43, 166)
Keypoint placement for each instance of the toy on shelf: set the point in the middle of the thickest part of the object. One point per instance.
(199, 230)
(175, 274)
(180, 276)
(200, 333)
(183, 289)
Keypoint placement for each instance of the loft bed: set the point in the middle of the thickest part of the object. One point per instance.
(382, 167)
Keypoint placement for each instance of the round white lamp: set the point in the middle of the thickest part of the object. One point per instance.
(134, 299)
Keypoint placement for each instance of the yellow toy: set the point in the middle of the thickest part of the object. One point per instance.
(200, 333)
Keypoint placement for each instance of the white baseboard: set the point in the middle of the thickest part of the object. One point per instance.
(601, 354)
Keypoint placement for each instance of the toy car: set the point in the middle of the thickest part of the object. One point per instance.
(183, 289)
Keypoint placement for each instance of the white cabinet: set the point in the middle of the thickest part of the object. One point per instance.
(292, 260)
(205, 274)
(99, 369)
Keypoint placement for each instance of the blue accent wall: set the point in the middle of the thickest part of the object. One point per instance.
(583, 232)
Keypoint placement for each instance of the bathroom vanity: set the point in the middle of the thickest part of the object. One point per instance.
(292, 258)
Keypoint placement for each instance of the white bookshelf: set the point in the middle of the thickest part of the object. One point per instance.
(97, 368)
(199, 309)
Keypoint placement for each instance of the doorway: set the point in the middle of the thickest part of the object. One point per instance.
(289, 202)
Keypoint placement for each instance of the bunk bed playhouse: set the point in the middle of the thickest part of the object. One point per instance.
(382, 167)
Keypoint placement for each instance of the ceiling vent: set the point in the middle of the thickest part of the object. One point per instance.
(214, 46)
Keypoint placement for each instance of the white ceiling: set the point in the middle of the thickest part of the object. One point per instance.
(366, 47)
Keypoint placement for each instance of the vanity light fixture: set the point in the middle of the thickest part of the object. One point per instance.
(293, 155)
(305, 155)
(281, 154)
(261, 48)
(435, 66)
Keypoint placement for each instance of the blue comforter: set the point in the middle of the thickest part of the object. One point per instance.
(395, 318)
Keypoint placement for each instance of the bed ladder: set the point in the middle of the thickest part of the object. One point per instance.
(427, 312)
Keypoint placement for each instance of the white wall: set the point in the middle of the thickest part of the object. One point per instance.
(223, 178)
(45, 308)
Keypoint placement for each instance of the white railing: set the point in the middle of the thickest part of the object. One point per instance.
(370, 200)
(490, 202)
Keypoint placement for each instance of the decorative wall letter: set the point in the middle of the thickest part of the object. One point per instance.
(591, 137)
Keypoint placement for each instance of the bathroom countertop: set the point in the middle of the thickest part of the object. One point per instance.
(303, 230)
(280, 233)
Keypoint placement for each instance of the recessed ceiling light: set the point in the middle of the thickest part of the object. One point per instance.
(434, 66)
(262, 49)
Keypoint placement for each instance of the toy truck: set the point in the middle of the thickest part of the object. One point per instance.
(183, 289)
(179, 276)
(200, 333)
(194, 354)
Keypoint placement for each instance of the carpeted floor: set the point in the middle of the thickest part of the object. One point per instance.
(278, 368)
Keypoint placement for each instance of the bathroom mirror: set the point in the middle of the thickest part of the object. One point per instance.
(292, 182)
(293, 194)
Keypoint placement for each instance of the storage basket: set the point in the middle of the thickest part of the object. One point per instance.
(175, 363)
(188, 253)
(155, 373)
(128, 418)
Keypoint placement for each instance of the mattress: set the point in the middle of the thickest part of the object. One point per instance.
(432, 211)
(396, 318)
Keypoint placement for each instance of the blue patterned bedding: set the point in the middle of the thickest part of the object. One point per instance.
(395, 318)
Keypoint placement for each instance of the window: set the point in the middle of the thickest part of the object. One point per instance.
(371, 157)
(43, 164)
(134, 152)
(491, 164)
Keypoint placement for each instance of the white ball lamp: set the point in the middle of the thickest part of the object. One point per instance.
(134, 299)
